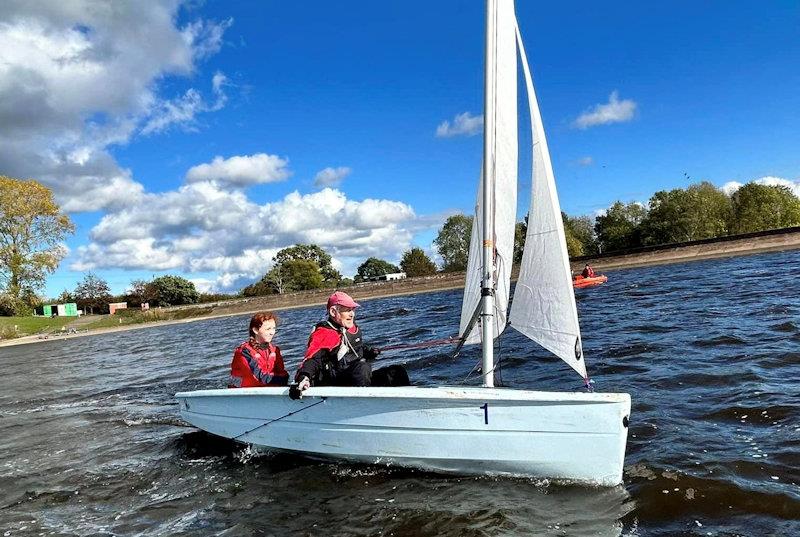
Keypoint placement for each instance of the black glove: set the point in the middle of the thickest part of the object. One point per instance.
(370, 353)
(295, 392)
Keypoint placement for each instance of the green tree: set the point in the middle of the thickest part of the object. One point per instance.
(618, 229)
(310, 252)
(32, 231)
(711, 210)
(702, 211)
(303, 274)
(92, 293)
(520, 231)
(762, 207)
(374, 267)
(173, 291)
(416, 263)
(453, 242)
(65, 297)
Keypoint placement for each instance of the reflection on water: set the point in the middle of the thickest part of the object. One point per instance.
(92, 443)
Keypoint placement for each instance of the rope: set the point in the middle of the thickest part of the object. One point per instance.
(276, 419)
(421, 345)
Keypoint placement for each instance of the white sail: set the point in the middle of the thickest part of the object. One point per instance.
(503, 159)
(544, 299)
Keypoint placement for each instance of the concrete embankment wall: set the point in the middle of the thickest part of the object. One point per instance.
(770, 241)
(751, 243)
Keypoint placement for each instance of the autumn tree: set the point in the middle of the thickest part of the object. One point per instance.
(415, 262)
(32, 232)
(453, 242)
(761, 207)
(580, 235)
(141, 291)
(92, 293)
(374, 267)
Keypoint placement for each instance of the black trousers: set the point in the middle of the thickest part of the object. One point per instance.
(357, 373)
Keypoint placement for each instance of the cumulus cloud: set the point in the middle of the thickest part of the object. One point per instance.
(77, 77)
(241, 171)
(202, 227)
(463, 125)
(732, 186)
(331, 176)
(615, 111)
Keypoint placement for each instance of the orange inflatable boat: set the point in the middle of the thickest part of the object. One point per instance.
(579, 282)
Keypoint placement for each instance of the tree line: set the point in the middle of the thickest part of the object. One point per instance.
(33, 230)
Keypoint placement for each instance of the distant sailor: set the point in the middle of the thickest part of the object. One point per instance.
(588, 272)
(257, 362)
(337, 356)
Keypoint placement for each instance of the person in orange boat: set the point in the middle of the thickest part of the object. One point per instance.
(257, 362)
(588, 272)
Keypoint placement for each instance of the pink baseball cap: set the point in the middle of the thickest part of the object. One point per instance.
(341, 299)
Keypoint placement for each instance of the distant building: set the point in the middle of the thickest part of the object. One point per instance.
(389, 277)
(70, 309)
(114, 306)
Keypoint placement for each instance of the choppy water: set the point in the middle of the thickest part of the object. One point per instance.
(91, 442)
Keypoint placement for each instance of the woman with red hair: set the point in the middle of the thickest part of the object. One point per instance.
(257, 362)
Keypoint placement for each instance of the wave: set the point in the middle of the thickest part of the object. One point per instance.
(719, 341)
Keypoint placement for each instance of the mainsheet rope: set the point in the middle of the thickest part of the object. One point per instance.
(280, 418)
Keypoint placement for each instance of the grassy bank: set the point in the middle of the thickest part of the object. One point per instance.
(12, 327)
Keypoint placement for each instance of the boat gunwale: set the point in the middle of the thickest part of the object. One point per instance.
(418, 392)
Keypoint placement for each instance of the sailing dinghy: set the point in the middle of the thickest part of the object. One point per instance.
(576, 437)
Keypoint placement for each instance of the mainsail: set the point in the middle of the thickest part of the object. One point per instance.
(503, 156)
(544, 299)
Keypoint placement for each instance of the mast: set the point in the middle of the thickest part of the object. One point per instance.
(487, 283)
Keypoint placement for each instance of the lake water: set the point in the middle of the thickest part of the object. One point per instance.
(91, 442)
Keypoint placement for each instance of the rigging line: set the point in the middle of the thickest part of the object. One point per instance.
(468, 329)
(280, 418)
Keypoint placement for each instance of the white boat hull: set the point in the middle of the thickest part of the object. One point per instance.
(577, 437)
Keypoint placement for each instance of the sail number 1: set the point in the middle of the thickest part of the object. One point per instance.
(485, 408)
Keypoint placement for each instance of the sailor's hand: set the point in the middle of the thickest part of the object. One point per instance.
(296, 390)
(370, 353)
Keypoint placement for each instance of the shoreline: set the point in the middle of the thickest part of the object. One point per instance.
(703, 250)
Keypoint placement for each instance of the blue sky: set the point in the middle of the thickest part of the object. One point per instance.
(193, 138)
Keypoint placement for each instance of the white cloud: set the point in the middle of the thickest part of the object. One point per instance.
(732, 186)
(78, 76)
(463, 125)
(615, 111)
(585, 161)
(331, 176)
(202, 227)
(241, 171)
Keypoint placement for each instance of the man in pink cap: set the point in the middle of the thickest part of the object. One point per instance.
(336, 354)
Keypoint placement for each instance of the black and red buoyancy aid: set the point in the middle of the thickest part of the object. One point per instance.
(256, 365)
(349, 343)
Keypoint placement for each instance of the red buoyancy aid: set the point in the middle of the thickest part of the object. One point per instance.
(255, 366)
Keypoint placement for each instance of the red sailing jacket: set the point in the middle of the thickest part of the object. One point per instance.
(254, 366)
(323, 350)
